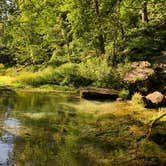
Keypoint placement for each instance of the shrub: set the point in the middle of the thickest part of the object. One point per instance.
(100, 73)
(58, 58)
(2, 66)
(124, 94)
(69, 74)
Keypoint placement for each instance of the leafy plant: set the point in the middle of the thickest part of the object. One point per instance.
(124, 94)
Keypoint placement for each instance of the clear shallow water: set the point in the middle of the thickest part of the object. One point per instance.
(38, 129)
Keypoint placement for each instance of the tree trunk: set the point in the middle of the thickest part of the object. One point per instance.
(100, 36)
(144, 12)
(101, 44)
(96, 6)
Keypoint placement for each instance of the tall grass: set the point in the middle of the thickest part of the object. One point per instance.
(94, 72)
(46, 76)
(137, 100)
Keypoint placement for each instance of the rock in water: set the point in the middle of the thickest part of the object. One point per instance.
(155, 99)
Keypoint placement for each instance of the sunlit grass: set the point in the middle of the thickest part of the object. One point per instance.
(6, 80)
(36, 78)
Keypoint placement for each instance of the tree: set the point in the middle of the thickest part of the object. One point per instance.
(144, 12)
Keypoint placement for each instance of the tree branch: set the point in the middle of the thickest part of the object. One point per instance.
(153, 123)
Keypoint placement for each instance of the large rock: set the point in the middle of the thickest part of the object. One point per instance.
(159, 64)
(99, 93)
(140, 77)
(155, 99)
(139, 71)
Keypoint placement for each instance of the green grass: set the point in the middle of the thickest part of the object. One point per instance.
(6, 80)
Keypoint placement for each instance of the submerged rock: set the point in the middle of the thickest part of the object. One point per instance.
(99, 93)
(155, 99)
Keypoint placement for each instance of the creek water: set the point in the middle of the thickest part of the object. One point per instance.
(38, 129)
(45, 129)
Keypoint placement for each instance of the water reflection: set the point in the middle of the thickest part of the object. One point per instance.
(37, 130)
(10, 127)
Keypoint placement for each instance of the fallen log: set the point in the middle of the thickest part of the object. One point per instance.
(99, 94)
(153, 123)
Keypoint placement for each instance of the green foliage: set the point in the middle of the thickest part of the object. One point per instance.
(124, 94)
(80, 32)
(58, 58)
(100, 72)
(1, 66)
(137, 100)
(69, 74)
(46, 76)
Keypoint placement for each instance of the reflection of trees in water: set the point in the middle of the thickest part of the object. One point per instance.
(35, 102)
(50, 126)
(50, 141)
(48, 131)
(7, 125)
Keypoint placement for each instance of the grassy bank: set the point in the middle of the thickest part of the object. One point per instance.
(94, 72)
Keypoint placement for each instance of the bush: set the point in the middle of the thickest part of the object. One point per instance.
(2, 66)
(100, 73)
(58, 58)
(69, 74)
(95, 72)
(124, 94)
(137, 100)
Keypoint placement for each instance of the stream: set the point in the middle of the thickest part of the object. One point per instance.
(58, 129)
(35, 129)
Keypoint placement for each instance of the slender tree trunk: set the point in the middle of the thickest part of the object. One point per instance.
(96, 6)
(101, 42)
(144, 12)
(100, 36)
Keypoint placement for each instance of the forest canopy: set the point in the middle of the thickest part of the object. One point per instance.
(80, 42)
(37, 31)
